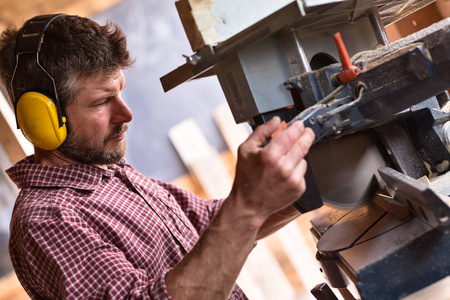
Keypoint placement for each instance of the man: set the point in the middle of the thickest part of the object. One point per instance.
(87, 225)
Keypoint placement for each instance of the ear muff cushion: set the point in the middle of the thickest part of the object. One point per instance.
(37, 116)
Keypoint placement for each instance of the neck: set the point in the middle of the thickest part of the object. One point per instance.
(55, 158)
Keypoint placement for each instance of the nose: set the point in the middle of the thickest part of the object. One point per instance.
(122, 113)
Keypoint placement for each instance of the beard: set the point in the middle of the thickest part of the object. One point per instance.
(80, 148)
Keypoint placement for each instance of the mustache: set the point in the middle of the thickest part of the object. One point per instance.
(120, 129)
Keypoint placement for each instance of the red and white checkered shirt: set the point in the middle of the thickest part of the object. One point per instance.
(82, 232)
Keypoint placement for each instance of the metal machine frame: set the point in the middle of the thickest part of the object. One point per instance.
(287, 64)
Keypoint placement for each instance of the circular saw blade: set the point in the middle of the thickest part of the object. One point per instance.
(345, 170)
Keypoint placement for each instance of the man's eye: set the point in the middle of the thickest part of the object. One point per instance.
(103, 102)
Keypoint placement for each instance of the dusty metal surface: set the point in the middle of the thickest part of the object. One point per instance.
(295, 16)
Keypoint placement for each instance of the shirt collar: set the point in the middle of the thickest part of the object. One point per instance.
(26, 173)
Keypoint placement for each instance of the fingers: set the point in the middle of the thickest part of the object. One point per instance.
(296, 139)
(275, 171)
(301, 146)
(263, 132)
(299, 172)
(292, 146)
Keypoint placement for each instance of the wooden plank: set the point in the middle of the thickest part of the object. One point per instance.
(16, 12)
(422, 18)
(14, 143)
(392, 206)
(88, 7)
(189, 183)
(198, 22)
(209, 22)
(393, 33)
(268, 274)
(302, 256)
(233, 134)
(274, 243)
(202, 160)
(443, 7)
(248, 283)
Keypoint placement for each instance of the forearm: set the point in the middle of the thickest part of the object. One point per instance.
(210, 270)
(278, 221)
(268, 180)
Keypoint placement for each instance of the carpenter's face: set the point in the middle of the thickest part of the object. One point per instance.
(97, 122)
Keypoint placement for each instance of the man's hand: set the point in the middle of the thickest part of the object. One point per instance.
(270, 178)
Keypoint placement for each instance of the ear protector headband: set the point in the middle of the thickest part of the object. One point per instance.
(38, 115)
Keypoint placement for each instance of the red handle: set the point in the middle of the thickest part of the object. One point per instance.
(348, 71)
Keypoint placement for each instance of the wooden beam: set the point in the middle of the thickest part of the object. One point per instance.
(201, 159)
(208, 22)
(443, 7)
(266, 271)
(88, 8)
(233, 134)
(15, 13)
(198, 22)
(418, 20)
(14, 143)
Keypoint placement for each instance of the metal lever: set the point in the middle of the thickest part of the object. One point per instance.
(348, 71)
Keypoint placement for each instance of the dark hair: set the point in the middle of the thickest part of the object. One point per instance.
(74, 49)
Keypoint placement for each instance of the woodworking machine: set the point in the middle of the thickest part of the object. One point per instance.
(380, 112)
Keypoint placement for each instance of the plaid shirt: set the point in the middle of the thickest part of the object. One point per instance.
(82, 232)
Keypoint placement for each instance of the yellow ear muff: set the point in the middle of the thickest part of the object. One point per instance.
(37, 116)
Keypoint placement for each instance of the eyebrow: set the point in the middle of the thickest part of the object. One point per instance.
(109, 92)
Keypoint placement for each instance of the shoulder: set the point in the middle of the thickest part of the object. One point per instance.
(37, 204)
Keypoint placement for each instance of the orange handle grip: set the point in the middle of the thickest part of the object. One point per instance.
(348, 71)
(282, 126)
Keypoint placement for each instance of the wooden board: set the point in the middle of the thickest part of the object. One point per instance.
(14, 143)
(16, 12)
(201, 159)
(233, 134)
(198, 22)
(208, 22)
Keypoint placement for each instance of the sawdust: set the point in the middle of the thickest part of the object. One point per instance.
(375, 57)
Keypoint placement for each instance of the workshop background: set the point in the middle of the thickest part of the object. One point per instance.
(283, 265)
